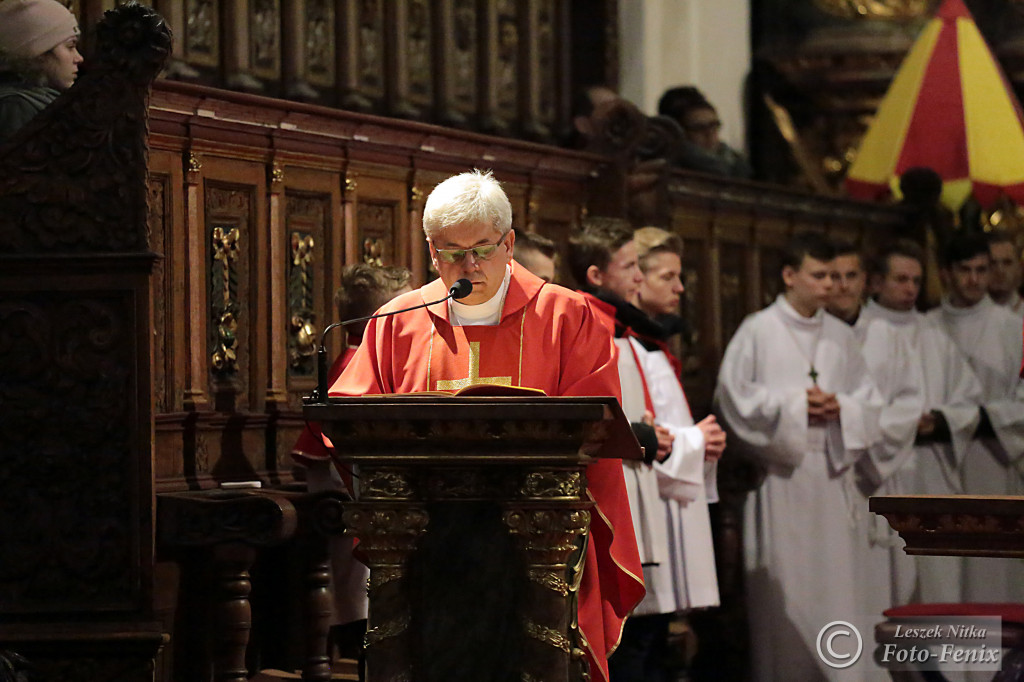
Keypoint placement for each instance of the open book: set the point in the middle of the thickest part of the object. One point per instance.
(493, 390)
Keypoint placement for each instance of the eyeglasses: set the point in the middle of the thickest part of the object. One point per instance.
(479, 252)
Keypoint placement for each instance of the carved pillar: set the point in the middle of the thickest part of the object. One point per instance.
(277, 343)
(353, 253)
(237, 61)
(551, 539)
(387, 534)
(195, 397)
(418, 255)
(456, 64)
(499, 66)
(233, 614)
(361, 54)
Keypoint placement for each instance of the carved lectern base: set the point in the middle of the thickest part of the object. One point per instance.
(462, 587)
(456, 494)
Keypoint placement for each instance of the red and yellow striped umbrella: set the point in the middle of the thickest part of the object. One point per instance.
(950, 108)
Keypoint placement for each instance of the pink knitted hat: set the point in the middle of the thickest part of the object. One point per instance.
(28, 28)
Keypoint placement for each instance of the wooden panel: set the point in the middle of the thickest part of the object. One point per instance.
(456, 63)
(412, 94)
(166, 220)
(361, 65)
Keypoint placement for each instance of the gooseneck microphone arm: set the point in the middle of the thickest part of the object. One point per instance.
(461, 289)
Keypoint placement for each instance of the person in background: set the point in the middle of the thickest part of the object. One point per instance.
(364, 288)
(796, 397)
(849, 279)
(39, 59)
(704, 150)
(1005, 278)
(536, 253)
(949, 413)
(687, 480)
(603, 260)
(990, 337)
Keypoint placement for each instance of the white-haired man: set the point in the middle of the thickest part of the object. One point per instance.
(513, 329)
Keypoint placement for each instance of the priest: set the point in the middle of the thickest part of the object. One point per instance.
(990, 336)
(951, 393)
(796, 398)
(513, 329)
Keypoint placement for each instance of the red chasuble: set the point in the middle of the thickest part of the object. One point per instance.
(548, 339)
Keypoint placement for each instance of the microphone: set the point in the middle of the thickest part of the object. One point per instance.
(461, 289)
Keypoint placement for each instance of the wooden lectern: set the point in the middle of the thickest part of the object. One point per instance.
(431, 470)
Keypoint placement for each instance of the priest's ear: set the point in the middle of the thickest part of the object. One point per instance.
(595, 276)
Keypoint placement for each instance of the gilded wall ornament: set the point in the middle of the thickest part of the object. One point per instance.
(876, 9)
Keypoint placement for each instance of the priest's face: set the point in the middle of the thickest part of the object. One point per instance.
(967, 280)
(662, 284)
(463, 250)
(809, 287)
(898, 288)
(848, 281)
(622, 276)
(1006, 269)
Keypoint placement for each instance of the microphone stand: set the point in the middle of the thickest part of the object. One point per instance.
(460, 289)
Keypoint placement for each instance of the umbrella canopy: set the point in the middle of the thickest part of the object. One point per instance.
(950, 108)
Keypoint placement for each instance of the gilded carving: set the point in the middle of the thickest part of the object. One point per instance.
(194, 163)
(302, 340)
(382, 575)
(223, 304)
(386, 630)
(549, 579)
(876, 9)
(385, 484)
(373, 251)
(202, 32)
(552, 484)
(547, 635)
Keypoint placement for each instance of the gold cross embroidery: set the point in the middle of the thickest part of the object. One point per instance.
(474, 374)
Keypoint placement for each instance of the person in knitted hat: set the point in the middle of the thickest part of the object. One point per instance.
(39, 58)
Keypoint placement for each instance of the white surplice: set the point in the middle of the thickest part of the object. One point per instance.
(951, 388)
(1015, 304)
(800, 531)
(684, 479)
(650, 516)
(990, 336)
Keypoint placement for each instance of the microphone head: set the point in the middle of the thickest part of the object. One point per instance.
(461, 289)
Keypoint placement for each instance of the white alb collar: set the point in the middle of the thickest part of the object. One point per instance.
(487, 313)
